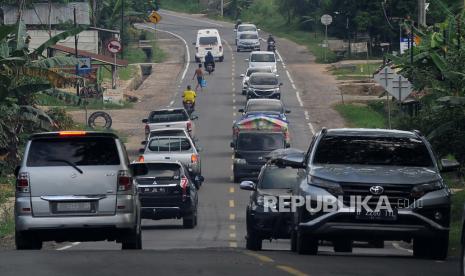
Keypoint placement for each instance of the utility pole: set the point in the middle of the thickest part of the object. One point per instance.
(222, 8)
(122, 28)
(76, 49)
(421, 13)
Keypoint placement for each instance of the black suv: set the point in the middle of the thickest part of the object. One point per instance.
(362, 168)
(166, 191)
(274, 181)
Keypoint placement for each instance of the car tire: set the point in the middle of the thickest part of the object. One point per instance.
(238, 50)
(236, 179)
(435, 249)
(306, 245)
(293, 241)
(244, 92)
(253, 239)
(221, 59)
(27, 242)
(133, 241)
(342, 246)
(189, 222)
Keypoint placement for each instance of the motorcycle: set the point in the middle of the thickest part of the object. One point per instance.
(271, 46)
(209, 68)
(189, 106)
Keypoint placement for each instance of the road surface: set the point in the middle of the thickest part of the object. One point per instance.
(216, 245)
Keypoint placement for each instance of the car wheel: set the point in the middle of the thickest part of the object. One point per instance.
(306, 245)
(189, 222)
(293, 241)
(133, 240)
(222, 59)
(253, 240)
(27, 242)
(238, 50)
(342, 246)
(431, 248)
(244, 92)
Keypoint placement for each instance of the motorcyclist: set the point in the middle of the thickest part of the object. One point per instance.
(189, 95)
(270, 40)
(209, 59)
(238, 22)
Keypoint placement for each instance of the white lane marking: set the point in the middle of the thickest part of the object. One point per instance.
(232, 235)
(233, 244)
(310, 126)
(171, 103)
(186, 66)
(232, 227)
(297, 94)
(397, 246)
(234, 114)
(232, 216)
(293, 86)
(307, 117)
(68, 246)
(189, 18)
(281, 58)
(232, 204)
(289, 76)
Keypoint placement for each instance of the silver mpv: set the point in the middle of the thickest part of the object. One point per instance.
(76, 186)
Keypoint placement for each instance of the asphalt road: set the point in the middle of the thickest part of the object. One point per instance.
(216, 245)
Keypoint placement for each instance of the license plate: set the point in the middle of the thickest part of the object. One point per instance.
(153, 190)
(73, 207)
(381, 215)
(208, 49)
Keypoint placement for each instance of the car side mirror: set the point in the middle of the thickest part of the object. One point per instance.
(143, 143)
(141, 151)
(194, 117)
(259, 30)
(288, 145)
(145, 121)
(138, 169)
(199, 178)
(449, 165)
(232, 145)
(287, 111)
(242, 75)
(17, 170)
(246, 59)
(241, 110)
(247, 185)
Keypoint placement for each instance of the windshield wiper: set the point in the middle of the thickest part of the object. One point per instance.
(67, 162)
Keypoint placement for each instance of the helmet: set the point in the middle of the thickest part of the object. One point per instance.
(189, 87)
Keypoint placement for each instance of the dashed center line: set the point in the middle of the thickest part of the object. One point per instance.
(232, 216)
(231, 203)
(291, 270)
(231, 189)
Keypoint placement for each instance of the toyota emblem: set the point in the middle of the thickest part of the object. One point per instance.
(376, 190)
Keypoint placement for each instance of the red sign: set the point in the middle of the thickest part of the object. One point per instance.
(114, 46)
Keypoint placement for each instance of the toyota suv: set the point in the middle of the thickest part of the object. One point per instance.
(382, 185)
(76, 186)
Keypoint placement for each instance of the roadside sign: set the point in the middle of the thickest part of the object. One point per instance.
(326, 19)
(84, 65)
(154, 17)
(404, 44)
(396, 85)
(114, 46)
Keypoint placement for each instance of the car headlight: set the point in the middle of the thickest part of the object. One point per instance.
(422, 189)
(266, 202)
(332, 187)
(240, 161)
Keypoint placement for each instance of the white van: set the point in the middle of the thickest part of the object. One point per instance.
(208, 40)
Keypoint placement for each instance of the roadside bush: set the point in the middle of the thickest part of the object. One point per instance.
(62, 120)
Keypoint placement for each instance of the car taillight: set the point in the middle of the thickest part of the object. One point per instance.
(22, 182)
(124, 181)
(141, 159)
(221, 48)
(189, 126)
(147, 130)
(72, 133)
(194, 158)
(184, 185)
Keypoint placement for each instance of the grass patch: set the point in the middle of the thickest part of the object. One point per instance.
(6, 214)
(363, 116)
(362, 70)
(187, 6)
(7, 224)
(47, 100)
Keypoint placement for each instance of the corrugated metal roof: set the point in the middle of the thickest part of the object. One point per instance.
(39, 14)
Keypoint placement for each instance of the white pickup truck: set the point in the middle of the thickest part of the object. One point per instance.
(169, 118)
(173, 148)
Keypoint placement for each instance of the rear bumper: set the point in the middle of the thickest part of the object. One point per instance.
(79, 228)
(408, 225)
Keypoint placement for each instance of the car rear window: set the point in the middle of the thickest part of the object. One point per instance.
(171, 132)
(81, 151)
(247, 29)
(264, 106)
(263, 80)
(389, 151)
(262, 58)
(278, 178)
(208, 40)
(248, 36)
(169, 144)
(260, 141)
(166, 171)
(165, 116)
